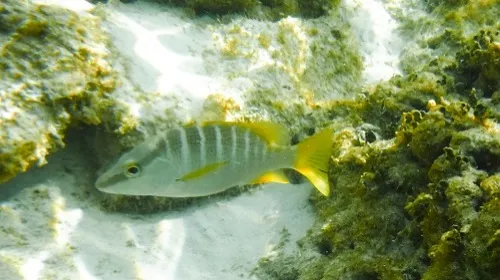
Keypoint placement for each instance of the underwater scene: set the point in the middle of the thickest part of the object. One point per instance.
(249, 139)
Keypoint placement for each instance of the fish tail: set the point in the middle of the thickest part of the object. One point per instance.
(312, 159)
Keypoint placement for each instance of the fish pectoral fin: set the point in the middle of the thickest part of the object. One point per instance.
(198, 173)
(273, 176)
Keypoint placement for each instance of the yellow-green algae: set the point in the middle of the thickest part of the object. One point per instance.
(418, 198)
(313, 60)
(264, 9)
(9, 266)
(54, 72)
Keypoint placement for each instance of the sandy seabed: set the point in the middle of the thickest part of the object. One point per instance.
(62, 232)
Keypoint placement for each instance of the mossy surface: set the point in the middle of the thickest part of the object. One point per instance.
(415, 166)
(218, 6)
(54, 72)
(264, 9)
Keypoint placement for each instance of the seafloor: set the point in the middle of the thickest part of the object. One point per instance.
(412, 89)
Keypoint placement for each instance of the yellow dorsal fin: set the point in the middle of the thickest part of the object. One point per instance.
(312, 159)
(273, 176)
(272, 133)
(198, 173)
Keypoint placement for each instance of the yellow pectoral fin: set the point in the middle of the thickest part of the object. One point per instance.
(274, 176)
(198, 173)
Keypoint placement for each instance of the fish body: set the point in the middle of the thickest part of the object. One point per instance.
(200, 160)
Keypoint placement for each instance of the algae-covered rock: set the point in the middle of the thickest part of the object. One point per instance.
(479, 59)
(273, 9)
(482, 145)
(54, 72)
(491, 186)
(218, 6)
(420, 201)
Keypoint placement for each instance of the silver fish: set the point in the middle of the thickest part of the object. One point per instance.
(203, 160)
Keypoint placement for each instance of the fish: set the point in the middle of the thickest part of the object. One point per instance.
(205, 159)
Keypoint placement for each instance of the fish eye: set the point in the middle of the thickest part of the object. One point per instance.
(132, 170)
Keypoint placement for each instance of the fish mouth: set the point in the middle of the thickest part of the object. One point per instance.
(99, 183)
(109, 182)
(102, 185)
(103, 181)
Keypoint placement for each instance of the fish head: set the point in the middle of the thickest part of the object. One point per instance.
(144, 170)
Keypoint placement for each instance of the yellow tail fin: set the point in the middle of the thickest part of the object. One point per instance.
(312, 159)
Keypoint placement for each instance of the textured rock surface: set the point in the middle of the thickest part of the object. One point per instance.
(414, 171)
(54, 72)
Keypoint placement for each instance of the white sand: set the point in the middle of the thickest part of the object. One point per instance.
(51, 228)
(60, 231)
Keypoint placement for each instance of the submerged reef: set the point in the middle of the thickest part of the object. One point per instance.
(54, 73)
(415, 167)
(415, 178)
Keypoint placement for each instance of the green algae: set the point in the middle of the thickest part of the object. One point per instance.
(265, 9)
(420, 200)
(217, 7)
(480, 62)
(399, 213)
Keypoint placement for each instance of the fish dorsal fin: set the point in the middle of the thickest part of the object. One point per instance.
(204, 170)
(272, 133)
(273, 176)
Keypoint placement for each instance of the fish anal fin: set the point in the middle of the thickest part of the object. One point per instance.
(198, 173)
(272, 133)
(273, 176)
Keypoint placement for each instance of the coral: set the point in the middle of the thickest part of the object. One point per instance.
(54, 72)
